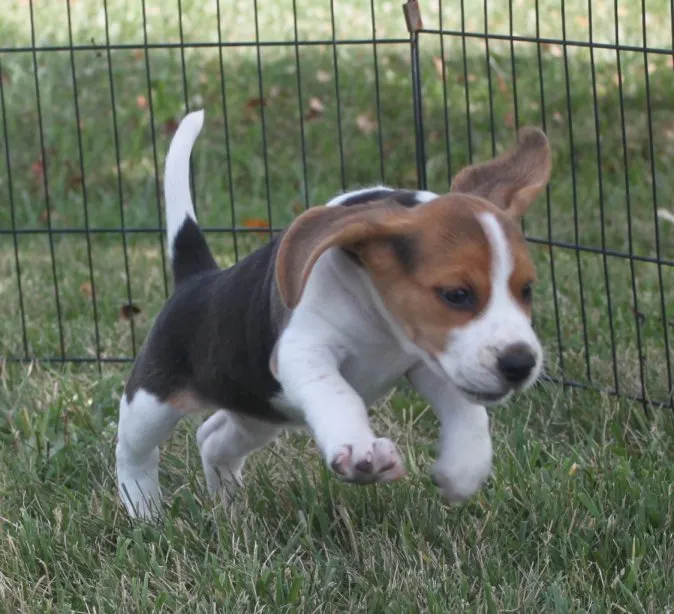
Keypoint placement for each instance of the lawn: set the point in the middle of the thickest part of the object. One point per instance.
(578, 515)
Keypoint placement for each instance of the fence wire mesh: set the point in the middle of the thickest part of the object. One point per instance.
(306, 98)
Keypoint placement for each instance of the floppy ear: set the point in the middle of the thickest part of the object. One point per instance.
(514, 179)
(320, 228)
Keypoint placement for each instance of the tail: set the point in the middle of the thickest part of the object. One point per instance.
(187, 246)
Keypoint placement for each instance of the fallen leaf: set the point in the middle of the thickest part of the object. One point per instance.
(257, 222)
(640, 315)
(253, 103)
(129, 311)
(141, 101)
(316, 108)
(573, 469)
(170, 126)
(74, 180)
(323, 76)
(86, 289)
(297, 208)
(366, 124)
(439, 65)
(37, 168)
(556, 51)
(46, 216)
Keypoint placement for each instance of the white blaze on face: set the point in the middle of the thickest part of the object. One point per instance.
(471, 357)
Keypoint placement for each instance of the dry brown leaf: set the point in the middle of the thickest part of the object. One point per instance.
(366, 124)
(46, 216)
(129, 311)
(297, 208)
(37, 168)
(170, 126)
(439, 65)
(74, 180)
(86, 289)
(253, 103)
(316, 104)
(639, 315)
(316, 108)
(257, 222)
(556, 51)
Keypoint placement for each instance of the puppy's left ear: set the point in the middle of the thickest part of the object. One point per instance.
(321, 228)
(514, 179)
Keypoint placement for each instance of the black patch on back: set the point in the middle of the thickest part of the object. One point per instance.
(191, 254)
(406, 250)
(214, 337)
(406, 198)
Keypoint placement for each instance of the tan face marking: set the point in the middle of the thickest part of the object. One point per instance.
(451, 252)
(524, 272)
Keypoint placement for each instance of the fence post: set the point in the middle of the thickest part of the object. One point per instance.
(414, 24)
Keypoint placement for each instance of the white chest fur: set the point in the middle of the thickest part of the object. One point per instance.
(339, 318)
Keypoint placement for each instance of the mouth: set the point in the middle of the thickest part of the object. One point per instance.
(490, 398)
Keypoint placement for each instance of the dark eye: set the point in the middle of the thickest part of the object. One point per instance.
(459, 298)
(527, 293)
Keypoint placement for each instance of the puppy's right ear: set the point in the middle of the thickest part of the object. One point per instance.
(320, 228)
(514, 179)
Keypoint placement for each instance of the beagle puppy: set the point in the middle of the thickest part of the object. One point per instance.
(315, 326)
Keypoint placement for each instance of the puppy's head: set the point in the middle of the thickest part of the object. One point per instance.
(454, 273)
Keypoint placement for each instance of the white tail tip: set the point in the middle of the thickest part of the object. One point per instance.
(177, 197)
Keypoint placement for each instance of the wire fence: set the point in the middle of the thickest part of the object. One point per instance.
(307, 99)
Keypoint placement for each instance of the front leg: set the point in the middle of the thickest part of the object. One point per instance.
(464, 461)
(335, 414)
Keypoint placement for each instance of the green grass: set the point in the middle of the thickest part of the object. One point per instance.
(578, 516)
(541, 536)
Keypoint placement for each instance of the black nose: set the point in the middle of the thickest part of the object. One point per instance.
(516, 363)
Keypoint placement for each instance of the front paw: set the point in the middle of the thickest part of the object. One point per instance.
(459, 482)
(377, 460)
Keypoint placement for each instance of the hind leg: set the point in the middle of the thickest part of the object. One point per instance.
(144, 423)
(225, 440)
